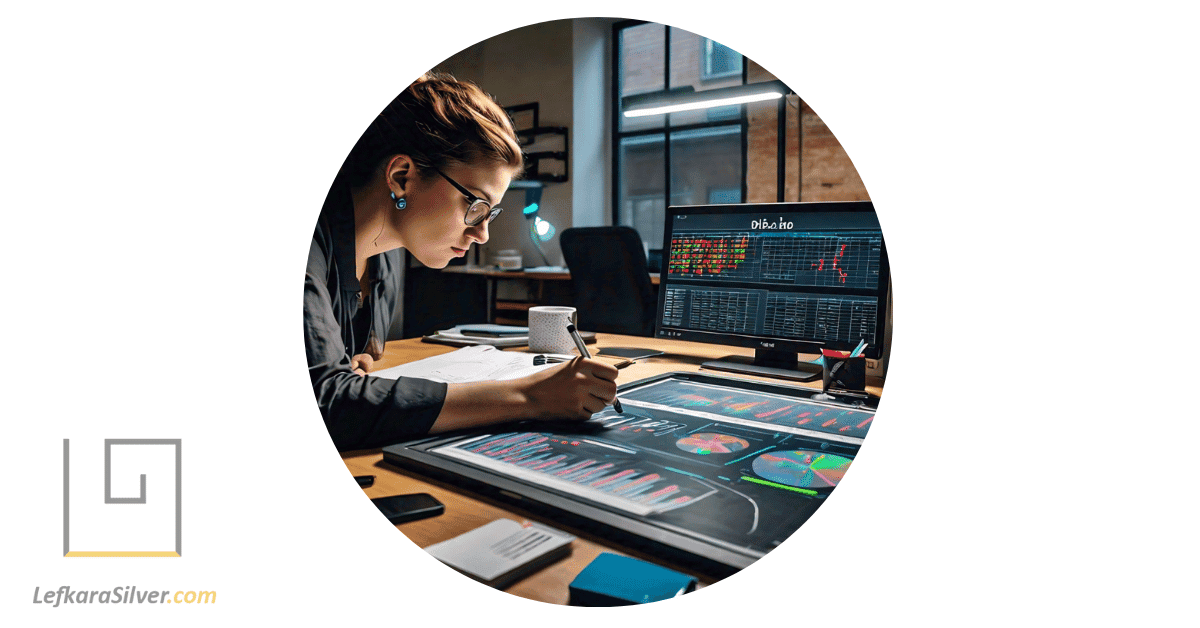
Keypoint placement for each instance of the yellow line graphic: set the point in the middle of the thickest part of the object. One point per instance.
(122, 554)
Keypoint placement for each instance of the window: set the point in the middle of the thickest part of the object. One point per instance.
(720, 60)
(683, 158)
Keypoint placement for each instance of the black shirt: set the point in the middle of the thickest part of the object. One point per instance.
(360, 412)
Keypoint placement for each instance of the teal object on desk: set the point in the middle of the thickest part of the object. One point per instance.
(614, 580)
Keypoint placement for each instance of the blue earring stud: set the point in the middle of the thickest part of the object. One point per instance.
(400, 202)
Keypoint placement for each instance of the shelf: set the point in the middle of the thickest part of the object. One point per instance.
(542, 130)
(519, 306)
(529, 135)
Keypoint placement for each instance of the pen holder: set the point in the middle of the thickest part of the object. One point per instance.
(842, 372)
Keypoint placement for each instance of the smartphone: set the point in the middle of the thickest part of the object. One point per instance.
(401, 508)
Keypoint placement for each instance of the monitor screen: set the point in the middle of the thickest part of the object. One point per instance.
(710, 472)
(784, 278)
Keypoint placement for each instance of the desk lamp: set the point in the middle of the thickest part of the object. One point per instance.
(540, 230)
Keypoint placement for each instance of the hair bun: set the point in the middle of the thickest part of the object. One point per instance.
(436, 121)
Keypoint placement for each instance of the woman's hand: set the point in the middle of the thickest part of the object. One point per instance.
(362, 363)
(573, 390)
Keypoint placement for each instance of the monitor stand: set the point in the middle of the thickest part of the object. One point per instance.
(783, 364)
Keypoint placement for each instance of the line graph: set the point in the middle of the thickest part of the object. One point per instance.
(821, 259)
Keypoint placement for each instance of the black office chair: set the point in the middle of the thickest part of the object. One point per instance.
(612, 286)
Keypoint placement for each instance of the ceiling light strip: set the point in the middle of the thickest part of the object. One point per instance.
(704, 104)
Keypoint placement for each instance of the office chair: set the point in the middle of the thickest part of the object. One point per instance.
(612, 286)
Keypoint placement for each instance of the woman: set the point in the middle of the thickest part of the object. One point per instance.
(424, 177)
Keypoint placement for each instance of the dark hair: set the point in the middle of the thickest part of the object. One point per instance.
(437, 121)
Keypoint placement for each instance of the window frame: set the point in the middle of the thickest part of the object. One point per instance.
(666, 129)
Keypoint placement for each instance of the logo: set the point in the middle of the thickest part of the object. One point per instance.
(124, 516)
(767, 224)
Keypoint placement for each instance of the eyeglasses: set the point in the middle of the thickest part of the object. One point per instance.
(479, 210)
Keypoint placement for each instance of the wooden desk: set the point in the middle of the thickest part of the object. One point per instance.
(493, 275)
(466, 511)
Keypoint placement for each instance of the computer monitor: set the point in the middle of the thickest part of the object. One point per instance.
(784, 278)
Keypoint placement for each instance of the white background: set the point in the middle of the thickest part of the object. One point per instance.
(1032, 165)
(100, 527)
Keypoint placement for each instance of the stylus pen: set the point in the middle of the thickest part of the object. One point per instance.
(584, 352)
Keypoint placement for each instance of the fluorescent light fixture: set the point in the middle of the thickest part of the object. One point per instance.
(704, 104)
(686, 100)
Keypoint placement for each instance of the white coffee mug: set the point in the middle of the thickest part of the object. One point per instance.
(548, 329)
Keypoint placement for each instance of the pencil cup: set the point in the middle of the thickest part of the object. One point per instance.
(548, 329)
(843, 372)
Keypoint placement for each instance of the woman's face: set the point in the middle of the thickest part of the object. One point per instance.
(432, 227)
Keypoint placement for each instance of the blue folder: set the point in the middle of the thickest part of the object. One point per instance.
(614, 580)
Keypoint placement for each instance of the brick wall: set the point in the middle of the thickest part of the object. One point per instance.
(826, 172)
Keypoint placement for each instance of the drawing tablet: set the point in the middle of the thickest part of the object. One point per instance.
(711, 472)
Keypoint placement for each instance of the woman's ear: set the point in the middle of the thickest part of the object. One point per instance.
(400, 172)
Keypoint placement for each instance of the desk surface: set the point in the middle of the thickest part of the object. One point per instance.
(465, 511)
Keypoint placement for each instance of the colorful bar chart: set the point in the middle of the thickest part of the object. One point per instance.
(601, 471)
(761, 408)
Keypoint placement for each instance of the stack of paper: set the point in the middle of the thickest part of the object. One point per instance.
(455, 336)
(493, 331)
(478, 334)
(469, 364)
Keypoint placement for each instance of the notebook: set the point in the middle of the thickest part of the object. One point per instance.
(615, 580)
(503, 551)
(454, 337)
(492, 331)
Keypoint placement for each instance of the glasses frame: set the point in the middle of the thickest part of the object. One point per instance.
(489, 215)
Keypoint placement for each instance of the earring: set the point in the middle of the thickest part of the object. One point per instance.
(400, 202)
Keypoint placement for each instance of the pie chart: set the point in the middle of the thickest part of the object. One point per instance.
(706, 443)
(801, 468)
